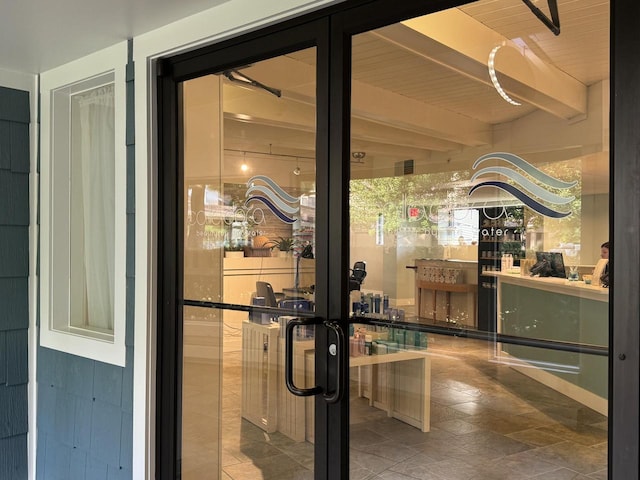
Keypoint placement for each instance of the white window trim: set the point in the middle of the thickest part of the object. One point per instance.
(113, 351)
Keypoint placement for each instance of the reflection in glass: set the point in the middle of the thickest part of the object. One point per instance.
(249, 240)
(474, 190)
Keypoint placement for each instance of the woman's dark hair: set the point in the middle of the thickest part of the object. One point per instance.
(605, 245)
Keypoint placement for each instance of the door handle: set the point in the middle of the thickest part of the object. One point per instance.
(288, 358)
(331, 397)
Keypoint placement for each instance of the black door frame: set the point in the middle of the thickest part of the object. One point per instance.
(624, 191)
(303, 33)
(333, 103)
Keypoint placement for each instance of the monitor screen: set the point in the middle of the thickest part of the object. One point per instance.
(556, 262)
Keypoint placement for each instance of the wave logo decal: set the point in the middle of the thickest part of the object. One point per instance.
(281, 204)
(522, 187)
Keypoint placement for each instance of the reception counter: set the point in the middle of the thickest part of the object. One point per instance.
(560, 310)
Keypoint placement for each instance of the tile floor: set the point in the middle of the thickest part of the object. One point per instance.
(488, 422)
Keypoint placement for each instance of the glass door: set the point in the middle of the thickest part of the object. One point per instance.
(249, 358)
(478, 206)
(449, 198)
(249, 269)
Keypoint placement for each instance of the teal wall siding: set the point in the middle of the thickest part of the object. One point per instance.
(14, 277)
(85, 407)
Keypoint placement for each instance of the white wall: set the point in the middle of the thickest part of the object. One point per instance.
(595, 227)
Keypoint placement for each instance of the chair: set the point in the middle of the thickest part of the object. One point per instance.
(358, 274)
(271, 299)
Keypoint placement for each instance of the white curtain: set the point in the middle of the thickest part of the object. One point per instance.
(97, 150)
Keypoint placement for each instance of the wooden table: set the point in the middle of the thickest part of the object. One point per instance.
(401, 385)
(398, 382)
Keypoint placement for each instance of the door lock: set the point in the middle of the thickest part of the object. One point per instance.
(333, 349)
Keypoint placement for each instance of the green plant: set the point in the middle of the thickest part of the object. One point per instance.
(233, 247)
(284, 244)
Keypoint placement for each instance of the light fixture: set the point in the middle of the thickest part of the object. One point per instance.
(358, 157)
(236, 76)
(494, 77)
(244, 167)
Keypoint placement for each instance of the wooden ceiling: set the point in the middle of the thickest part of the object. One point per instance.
(421, 89)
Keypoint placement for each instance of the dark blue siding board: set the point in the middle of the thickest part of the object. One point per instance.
(64, 417)
(14, 301)
(82, 424)
(46, 367)
(107, 385)
(130, 311)
(8, 200)
(13, 458)
(115, 473)
(38, 223)
(13, 414)
(14, 105)
(14, 251)
(5, 145)
(78, 464)
(46, 409)
(106, 424)
(131, 241)
(131, 180)
(3, 359)
(129, 74)
(17, 357)
(78, 374)
(127, 383)
(41, 449)
(20, 147)
(57, 459)
(19, 214)
(126, 442)
(130, 131)
(14, 272)
(96, 469)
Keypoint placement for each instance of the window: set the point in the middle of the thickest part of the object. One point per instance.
(83, 207)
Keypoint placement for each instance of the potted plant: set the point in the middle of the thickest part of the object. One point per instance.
(283, 244)
(233, 250)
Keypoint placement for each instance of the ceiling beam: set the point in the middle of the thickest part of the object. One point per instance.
(455, 40)
(370, 103)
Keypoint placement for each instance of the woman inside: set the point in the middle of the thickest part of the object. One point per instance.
(604, 254)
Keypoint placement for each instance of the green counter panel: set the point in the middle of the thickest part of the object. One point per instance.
(532, 313)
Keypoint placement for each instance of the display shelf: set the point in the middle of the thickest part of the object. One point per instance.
(504, 234)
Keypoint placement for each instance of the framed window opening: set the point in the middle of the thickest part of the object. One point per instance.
(83, 207)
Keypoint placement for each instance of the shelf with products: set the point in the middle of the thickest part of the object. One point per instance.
(502, 238)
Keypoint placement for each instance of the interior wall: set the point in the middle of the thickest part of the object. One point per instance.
(595, 227)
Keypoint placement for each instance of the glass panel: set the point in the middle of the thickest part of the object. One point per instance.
(249, 230)
(479, 203)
